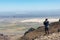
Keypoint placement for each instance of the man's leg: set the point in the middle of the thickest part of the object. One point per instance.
(47, 30)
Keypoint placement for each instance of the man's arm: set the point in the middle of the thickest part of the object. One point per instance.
(48, 22)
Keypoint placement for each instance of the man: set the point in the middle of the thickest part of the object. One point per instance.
(46, 24)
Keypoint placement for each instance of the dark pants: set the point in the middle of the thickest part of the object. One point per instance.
(47, 30)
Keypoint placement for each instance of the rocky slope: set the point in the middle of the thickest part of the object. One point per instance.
(4, 37)
(38, 34)
(54, 36)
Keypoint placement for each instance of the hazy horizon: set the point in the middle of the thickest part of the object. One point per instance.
(30, 8)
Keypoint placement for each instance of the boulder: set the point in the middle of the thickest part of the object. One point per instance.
(30, 30)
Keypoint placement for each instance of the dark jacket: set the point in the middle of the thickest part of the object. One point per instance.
(46, 23)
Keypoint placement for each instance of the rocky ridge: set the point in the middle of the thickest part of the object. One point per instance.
(38, 34)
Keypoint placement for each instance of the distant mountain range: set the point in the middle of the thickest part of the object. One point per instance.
(30, 14)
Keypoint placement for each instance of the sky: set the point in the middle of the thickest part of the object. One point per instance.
(28, 5)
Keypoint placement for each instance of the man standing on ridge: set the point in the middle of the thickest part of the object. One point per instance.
(46, 24)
